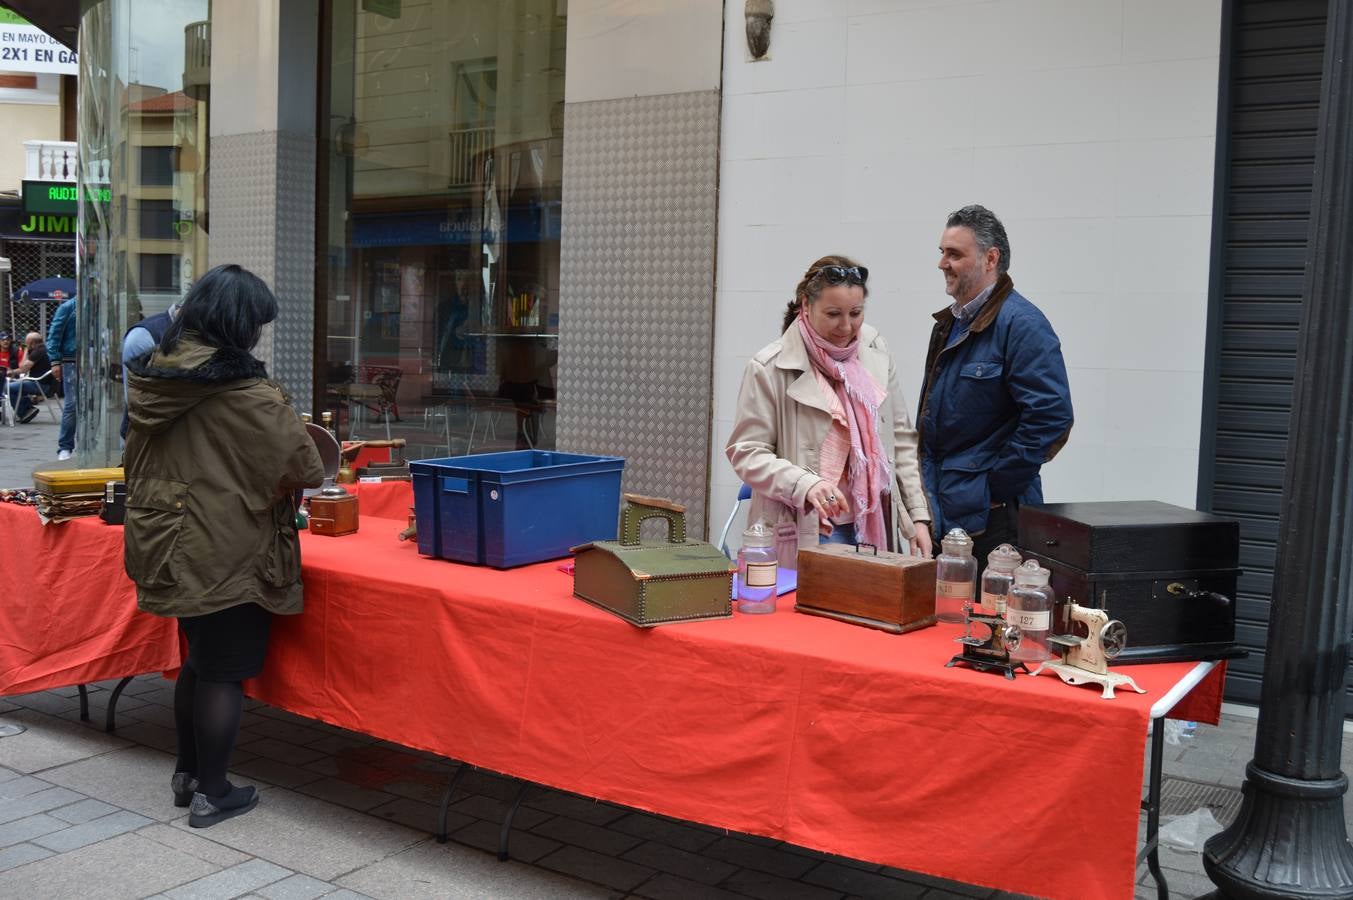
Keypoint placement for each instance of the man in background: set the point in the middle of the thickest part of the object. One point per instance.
(61, 347)
(24, 379)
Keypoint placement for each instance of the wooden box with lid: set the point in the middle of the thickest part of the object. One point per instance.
(864, 586)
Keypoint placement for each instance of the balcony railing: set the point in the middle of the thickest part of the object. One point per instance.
(49, 160)
(467, 151)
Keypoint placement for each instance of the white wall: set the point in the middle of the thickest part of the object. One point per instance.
(1086, 125)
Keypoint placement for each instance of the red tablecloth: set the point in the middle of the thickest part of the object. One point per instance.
(69, 614)
(835, 737)
(840, 738)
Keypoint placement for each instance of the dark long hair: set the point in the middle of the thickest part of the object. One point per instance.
(228, 308)
(812, 284)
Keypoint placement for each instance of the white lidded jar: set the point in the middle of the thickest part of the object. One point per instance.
(955, 577)
(997, 579)
(1029, 607)
(757, 570)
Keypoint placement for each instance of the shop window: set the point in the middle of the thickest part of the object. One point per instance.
(159, 272)
(157, 166)
(157, 220)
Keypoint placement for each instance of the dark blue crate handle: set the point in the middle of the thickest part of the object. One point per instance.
(455, 485)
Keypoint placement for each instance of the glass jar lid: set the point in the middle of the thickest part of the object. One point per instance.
(758, 534)
(1004, 558)
(1031, 574)
(957, 543)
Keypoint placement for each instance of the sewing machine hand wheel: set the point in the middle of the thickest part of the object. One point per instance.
(1113, 638)
(1012, 636)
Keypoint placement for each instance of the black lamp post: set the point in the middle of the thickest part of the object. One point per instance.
(1289, 840)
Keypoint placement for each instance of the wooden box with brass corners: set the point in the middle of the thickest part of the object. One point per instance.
(333, 511)
(650, 583)
(864, 586)
(1167, 573)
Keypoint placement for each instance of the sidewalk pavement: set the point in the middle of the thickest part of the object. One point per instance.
(342, 815)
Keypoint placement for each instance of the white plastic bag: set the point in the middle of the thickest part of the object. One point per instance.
(1191, 831)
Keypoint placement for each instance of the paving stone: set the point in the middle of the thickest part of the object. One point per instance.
(431, 871)
(311, 836)
(832, 857)
(8, 775)
(347, 895)
(37, 802)
(665, 886)
(345, 794)
(274, 772)
(581, 834)
(21, 854)
(22, 786)
(493, 810)
(124, 866)
(83, 811)
(29, 827)
(522, 846)
(6, 706)
(939, 884)
(429, 792)
(328, 767)
(333, 743)
(45, 701)
(50, 741)
(100, 829)
(691, 866)
(657, 828)
(774, 860)
(863, 884)
(194, 843)
(231, 882)
(763, 886)
(155, 714)
(273, 712)
(594, 812)
(419, 816)
(135, 778)
(291, 732)
(296, 887)
(595, 867)
(281, 751)
(149, 734)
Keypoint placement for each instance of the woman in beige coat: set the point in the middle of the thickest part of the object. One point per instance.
(821, 435)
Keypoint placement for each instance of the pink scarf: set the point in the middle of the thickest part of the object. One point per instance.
(860, 396)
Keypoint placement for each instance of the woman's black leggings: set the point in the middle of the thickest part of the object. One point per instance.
(207, 718)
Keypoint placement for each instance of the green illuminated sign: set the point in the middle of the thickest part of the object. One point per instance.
(49, 225)
(59, 197)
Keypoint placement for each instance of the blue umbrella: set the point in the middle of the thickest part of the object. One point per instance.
(46, 289)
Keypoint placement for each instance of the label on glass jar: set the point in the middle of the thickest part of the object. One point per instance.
(993, 604)
(1029, 620)
(761, 574)
(960, 589)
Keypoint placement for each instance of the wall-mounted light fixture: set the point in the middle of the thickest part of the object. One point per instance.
(758, 13)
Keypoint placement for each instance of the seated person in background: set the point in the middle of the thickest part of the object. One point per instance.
(35, 365)
(10, 357)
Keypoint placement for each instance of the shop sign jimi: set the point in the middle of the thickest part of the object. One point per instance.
(25, 48)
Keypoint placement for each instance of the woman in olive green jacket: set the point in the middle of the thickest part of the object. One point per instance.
(214, 458)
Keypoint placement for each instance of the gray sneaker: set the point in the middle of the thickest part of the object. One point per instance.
(183, 786)
(207, 811)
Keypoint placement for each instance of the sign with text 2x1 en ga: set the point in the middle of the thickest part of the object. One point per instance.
(59, 197)
(26, 48)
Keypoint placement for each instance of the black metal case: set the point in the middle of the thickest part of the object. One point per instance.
(1168, 573)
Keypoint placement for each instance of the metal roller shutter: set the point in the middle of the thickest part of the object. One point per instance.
(1270, 94)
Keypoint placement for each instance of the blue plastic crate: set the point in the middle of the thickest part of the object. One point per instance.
(510, 509)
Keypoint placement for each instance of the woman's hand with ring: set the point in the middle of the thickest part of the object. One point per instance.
(828, 502)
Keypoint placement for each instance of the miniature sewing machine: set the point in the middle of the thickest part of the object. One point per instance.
(990, 653)
(1085, 658)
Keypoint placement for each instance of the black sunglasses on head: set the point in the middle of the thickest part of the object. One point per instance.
(841, 274)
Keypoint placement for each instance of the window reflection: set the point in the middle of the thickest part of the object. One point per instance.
(441, 218)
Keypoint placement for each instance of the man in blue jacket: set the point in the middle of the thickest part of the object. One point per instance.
(61, 349)
(995, 402)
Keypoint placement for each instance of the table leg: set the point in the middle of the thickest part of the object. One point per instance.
(1153, 808)
(110, 722)
(446, 801)
(506, 831)
(84, 702)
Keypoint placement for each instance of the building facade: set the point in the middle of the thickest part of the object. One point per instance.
(569, 223)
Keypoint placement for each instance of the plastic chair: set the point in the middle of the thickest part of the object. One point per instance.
(46, 398)
(744, 493)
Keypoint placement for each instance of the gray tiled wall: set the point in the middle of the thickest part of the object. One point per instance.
(637, 289)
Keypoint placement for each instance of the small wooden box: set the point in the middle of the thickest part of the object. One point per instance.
(859, 585)
(332, 514)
